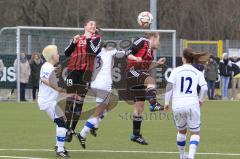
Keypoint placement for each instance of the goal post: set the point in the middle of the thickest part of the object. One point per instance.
(14, 40)
(205, 46)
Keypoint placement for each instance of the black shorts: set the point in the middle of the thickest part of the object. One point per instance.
(135, 84)
(78, 81)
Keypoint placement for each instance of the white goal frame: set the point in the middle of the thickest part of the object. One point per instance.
(18, 42)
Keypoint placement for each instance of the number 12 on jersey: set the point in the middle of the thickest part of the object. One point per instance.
(186, 83)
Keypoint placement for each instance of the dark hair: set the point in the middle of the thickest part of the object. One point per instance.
(88, 20)
(192, 56)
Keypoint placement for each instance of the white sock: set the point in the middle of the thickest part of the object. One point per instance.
(181, 142)
(100, 118)
(60, 135)
(194, 141)
(90, 123)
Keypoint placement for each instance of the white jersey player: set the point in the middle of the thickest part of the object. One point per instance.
(102, 75)
(47, 97)
(186, 102)
(101, 86)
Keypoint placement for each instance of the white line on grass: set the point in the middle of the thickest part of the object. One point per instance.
(123, 151)
(20, 157)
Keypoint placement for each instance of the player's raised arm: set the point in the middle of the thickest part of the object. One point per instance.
(71, 47)
(94, 44)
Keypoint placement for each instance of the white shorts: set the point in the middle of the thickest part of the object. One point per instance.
(187, 118)
(102, 96)
(53, 110)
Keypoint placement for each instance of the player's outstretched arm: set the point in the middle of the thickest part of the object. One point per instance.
(134, 58)
(120, 54)
(71, 47)
(161, 61)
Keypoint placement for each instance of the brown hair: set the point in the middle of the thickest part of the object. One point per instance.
(151, 34)
(32, 57)
(88, 20)
(192, 56)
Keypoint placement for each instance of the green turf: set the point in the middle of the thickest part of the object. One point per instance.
(24, 126)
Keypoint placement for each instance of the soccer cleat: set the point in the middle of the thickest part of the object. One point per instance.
(93, 131)
(156, 107)
(56, 147)
(139, 139)
(184, 157)
(62, 154)
(82, 140)
(69, 135)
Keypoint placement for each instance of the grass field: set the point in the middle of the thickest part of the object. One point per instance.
(27, 132)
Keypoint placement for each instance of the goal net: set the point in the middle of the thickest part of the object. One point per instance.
(15, 40)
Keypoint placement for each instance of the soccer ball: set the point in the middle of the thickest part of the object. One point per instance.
(145, 19)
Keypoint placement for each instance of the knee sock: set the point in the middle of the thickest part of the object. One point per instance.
(194, 141)
(77, 113)
(101, 118)
(151, 94)
(69, 111)
(90, 123)
(181, 142)
(137, 121)
(60, 137)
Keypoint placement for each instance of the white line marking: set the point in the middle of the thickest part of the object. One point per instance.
(123, 151)
(20, 157)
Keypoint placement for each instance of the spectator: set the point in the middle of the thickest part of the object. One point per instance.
(1, 68)
(225, 68)
(211, 75)
(35, 65)
(24, 74)
(236, 76)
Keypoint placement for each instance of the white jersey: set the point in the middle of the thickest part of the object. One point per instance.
(46, 94)
(185, 80)
(102, 74)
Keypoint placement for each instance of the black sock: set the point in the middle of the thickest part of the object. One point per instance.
(77, 113)
(69, 111)
(151, 95)
(137, 121)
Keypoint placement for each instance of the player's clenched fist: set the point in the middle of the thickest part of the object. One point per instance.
(76, 38)
(161, 61)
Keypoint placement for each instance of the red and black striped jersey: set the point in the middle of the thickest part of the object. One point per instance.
(82, 53)
(140, 48)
